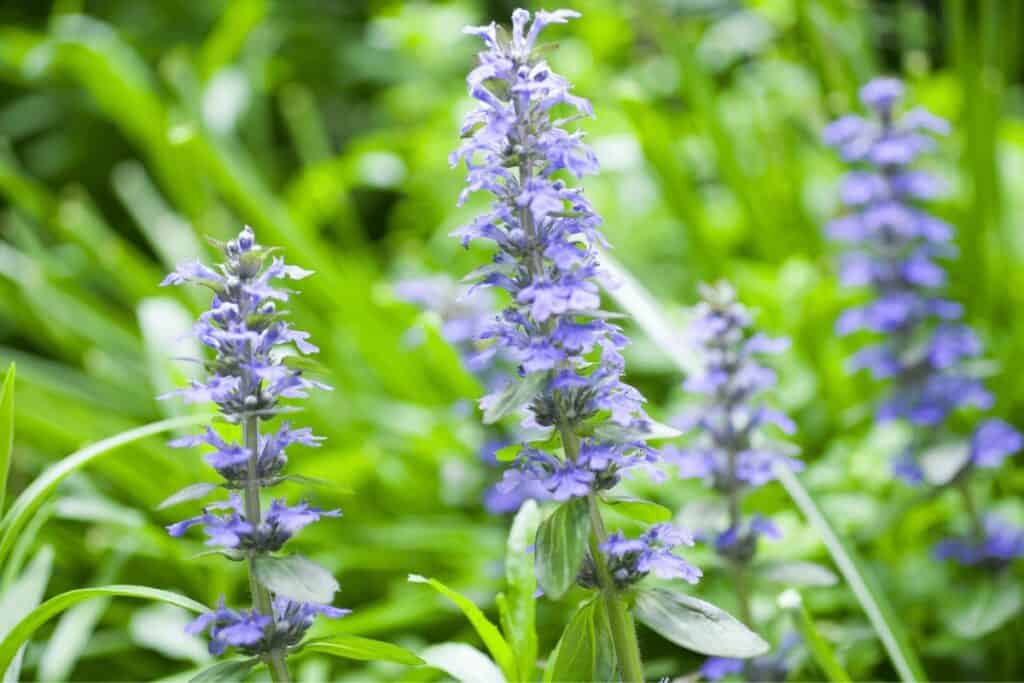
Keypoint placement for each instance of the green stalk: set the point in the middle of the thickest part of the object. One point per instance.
(260, 595)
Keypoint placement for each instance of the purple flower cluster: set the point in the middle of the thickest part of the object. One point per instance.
(250, 632)
(545, 233)
(730, 449)
(1001, 543)
(893, 246)
(566, 351)
(248, 378)
(631, 559)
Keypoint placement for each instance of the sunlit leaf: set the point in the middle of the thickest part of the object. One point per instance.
(521, 578)
(6, 430)
(296, 577)
(585, 652)
(561, 546)
(697, 625)
(362, 649)
(638, 509)
(463, 662)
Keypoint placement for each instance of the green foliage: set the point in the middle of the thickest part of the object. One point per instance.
(585, 652)
(296, 577)
(129, 135)
(696, 625)
(6, 430)
(362, 649)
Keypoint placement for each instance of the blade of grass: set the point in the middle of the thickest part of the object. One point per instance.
(6, 430)
(33, 496)
(24, 629)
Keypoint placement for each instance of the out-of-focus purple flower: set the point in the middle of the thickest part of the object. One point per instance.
(717, 668)
(1001, 544)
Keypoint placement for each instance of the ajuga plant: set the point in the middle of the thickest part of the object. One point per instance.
(249, 380)
(584, 427)
(893, 246)
(730, 449)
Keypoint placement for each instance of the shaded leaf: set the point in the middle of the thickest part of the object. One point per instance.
(585, 652)
(649, 431)
(985, 606)
(561, 545)
(296, 577)
(697, 625)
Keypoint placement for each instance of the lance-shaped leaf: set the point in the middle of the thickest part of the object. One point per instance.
(585, 652)
(6, 430)
(518, 609)
(296, 577)
(193, 492)
(561, 545)
(362, 649)
(463, 662)
(639, 509)
(697, 625)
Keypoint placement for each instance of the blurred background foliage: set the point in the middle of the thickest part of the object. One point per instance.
(131, 130)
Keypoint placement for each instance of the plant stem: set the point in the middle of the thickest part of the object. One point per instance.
(260, 596)
(977, 527)
(627, 648)
(735, 517)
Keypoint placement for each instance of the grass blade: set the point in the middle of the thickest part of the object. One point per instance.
(6, 430)
(18, 600)
(24, 629)
(820, 648)
(33, 496)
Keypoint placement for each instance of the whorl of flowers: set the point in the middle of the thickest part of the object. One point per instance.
(893, 246)
(730, 449)
(567, 353)
(247, 378)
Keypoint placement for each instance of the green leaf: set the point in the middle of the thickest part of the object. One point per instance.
(639, 509)
(43, 485)
(650, 431)
(796, 573)
(296, 577)
(362, 649)
(521, 577)
(463, 662)
(508, 453)
(18, 600)
(561, 545)
(820, 648)
(487, 631)
(193, 492)
(697, 625)
(6, 430)
(863, 584)
(585, 652)
(515, 394)
(231, 670)
(984, 606)
(24, 629)
(941, 464)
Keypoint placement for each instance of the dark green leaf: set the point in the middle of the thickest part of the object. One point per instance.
(697, 625)
(521, 577)
(231, 670)
(941, 464)
(514, 395)
(296, 577)
(363, 649)
(639, 509)
(585, 651)
(193, 492)
(561, 545)
(797, 573)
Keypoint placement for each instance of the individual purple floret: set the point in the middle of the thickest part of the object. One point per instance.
(247, 379)
(895, 248)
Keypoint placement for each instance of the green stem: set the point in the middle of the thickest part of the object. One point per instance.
(627, 648)
(977, 527)
(260, 596)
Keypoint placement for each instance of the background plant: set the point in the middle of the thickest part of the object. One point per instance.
(132, 135)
